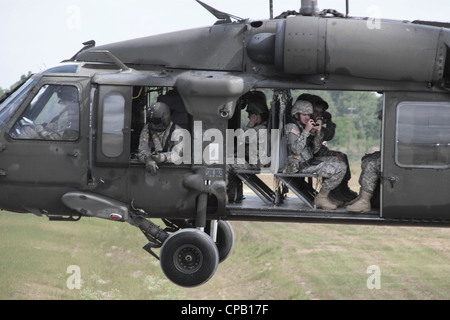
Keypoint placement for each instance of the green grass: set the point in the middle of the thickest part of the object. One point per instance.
(314, 261)
(35, 255)
(269, 261)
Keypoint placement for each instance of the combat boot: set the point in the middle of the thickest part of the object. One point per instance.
(343, 193)
(353, 201)
(323, 202)
(362, 204)
(337, 202)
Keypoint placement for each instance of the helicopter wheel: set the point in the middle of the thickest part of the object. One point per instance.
(189, 257)
(225, 238)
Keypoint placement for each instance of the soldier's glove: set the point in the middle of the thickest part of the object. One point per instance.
(151, 166)
(159, 158)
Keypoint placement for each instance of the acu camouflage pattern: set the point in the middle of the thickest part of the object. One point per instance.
(301, 147)
(370, 173)
(159, 139)
(242, 164)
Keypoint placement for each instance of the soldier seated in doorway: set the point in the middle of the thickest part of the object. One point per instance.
(320, 114)
(305, 138)
(369, 180)
(258, 114)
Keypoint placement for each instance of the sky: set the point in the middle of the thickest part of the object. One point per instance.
(36, 35)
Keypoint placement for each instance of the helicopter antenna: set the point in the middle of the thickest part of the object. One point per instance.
(346, 9)
(222, 16)
(271, 9)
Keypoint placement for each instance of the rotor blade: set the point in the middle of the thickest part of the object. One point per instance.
(218, 14)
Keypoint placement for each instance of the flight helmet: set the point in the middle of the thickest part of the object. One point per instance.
(159, 117)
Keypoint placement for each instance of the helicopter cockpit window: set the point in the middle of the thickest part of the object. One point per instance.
(9, 105)
(53, 114)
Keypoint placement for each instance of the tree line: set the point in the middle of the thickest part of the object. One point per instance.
(22, 79)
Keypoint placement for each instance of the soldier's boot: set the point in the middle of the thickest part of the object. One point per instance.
(343, 193)
(337, 202)
(323, 202)
(353, 201)
(362, 204)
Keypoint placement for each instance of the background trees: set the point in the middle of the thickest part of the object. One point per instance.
(22, 78)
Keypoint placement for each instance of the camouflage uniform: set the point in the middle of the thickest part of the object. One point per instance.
(261, 140)
(163, 146)
(301, 147)
(257, 105)
(251, 125)
(370, 173)
(320, 107)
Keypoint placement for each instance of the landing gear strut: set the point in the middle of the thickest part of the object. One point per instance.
(224, 238)
(190, 255)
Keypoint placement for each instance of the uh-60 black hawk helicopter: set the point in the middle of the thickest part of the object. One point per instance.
(92, 167)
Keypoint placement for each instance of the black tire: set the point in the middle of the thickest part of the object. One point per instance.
(225, 238)
(189, 258)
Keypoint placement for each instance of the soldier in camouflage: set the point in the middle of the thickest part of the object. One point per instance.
(369, 178)
(258, 115)
(342, 193)
(304, 140)
(156, 141)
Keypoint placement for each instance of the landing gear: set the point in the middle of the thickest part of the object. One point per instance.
(224, 238)
(189, 257)
(220, 231)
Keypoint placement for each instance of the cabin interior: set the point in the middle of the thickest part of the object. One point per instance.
(251, 191)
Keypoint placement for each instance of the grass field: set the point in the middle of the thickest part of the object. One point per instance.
(269, 261)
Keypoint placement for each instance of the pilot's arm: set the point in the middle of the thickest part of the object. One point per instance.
(145, 154)
(144, 150)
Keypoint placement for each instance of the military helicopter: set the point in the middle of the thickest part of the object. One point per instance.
(92, 168)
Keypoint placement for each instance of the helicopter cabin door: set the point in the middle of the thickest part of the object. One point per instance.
(45, 149)
(415, 174)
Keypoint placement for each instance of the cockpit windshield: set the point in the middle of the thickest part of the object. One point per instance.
(11, 103)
